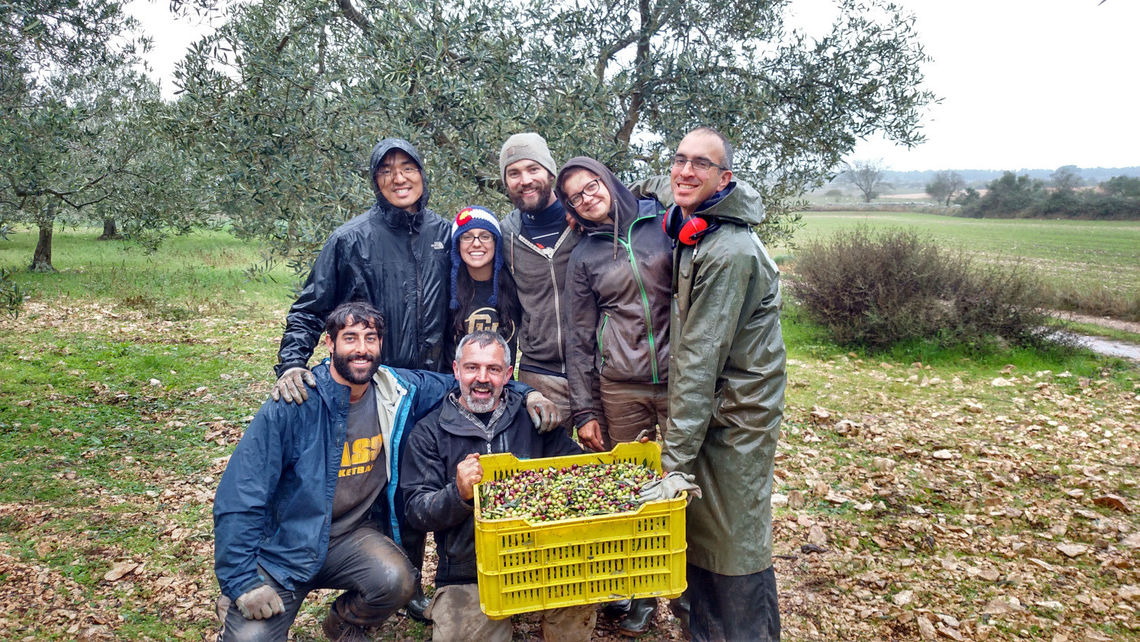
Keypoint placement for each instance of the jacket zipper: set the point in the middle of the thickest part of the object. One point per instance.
(601, 333)
(644, 298)
(553, 284)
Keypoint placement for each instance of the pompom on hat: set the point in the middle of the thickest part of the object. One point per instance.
(475, 217)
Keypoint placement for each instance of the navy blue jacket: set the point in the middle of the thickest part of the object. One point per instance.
(273, 506)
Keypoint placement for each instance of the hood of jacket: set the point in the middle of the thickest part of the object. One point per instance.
(378, 153)
(746, 206)
(623, 204)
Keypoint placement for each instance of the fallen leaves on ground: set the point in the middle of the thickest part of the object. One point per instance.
(911, 504)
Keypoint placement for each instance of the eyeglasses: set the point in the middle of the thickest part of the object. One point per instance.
(589, 189)
(407, 171)
(484, 238)
(699, 164)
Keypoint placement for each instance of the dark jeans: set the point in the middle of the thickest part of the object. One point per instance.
(373, 571)
(727, 608)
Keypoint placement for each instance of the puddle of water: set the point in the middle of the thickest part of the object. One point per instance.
(1107, 347)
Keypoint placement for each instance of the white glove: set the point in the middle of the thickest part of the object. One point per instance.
(260, 603)
(291, 384)
(669, 487)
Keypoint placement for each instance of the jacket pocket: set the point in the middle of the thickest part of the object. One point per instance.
(601, 341)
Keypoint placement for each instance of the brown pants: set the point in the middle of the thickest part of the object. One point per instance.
(633, 407)
(456, 617)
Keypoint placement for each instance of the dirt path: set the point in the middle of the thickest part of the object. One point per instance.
(1100, 345)
(1106, 322)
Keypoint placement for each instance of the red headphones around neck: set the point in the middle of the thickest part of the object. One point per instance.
(687, 231)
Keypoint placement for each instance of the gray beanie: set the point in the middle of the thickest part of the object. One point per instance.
(525, 146)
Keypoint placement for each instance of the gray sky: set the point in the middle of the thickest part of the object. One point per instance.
(1025, 84)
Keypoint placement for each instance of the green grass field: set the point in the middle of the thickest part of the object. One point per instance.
(1089, 266)
(917, 491)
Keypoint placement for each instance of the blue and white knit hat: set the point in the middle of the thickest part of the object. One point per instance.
(474, 217)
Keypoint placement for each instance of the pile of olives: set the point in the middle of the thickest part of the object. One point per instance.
(551, 494)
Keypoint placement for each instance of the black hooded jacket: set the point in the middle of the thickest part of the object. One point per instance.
(438, 443)
(397, 261)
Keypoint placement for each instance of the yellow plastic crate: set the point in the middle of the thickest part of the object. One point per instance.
(528, 566)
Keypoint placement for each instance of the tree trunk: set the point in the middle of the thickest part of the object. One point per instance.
(110, 230)
(41, 259)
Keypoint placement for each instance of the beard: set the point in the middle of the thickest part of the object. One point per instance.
(351, 373)
(544, 193)
(478, 406)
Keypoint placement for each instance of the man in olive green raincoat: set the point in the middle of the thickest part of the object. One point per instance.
(726, 388)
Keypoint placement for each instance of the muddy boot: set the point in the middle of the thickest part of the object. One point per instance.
(618, 609)
(417, 604)
(640, 617)
(338, 630)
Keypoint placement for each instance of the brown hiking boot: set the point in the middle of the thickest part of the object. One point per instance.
(338, 630)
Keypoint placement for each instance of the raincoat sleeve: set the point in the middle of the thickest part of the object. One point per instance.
(242, 501)
(657, 187)
(432, 498)
(583, 329)
(700, 348)
(306, 319)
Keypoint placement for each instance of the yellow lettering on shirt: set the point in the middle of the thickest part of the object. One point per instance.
(359, 456)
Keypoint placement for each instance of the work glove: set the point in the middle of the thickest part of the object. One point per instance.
(260, 603)
(542, 412)
(669, 487)
(291, 385)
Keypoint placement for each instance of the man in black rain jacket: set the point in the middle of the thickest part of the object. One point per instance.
(395, 256)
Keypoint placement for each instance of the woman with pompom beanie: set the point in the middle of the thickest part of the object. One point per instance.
(483, 295)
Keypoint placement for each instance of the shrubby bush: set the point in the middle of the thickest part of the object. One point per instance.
(11, 296)
(878, 288)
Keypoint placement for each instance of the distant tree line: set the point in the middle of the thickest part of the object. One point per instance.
(1061, 197)
(1091, 175)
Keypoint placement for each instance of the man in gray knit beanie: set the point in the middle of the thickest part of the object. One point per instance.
(537, 242)
(525, 146)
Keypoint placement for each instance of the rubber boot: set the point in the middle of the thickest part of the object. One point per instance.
(415, 606)
(640, 617)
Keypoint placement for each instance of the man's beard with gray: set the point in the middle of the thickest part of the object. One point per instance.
(480, 406)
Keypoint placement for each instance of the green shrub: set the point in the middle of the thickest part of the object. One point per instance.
(11, 296)
(878, 288)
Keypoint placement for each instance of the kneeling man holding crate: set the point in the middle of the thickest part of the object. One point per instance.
(438, 478)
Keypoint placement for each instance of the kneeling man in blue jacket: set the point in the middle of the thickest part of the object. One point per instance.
(310, 496)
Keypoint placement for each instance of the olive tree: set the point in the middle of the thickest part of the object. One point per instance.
(945, 184)
(285, 99)
(78, 123)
